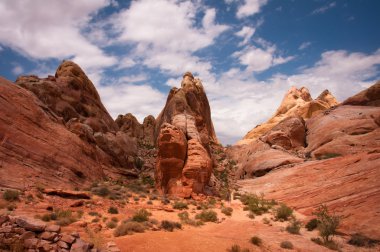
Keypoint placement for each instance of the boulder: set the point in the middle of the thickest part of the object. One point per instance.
(30, 224)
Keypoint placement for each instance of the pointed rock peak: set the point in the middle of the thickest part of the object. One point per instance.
(327, 97)
(188, 80)
(295, 93)
(69, 68)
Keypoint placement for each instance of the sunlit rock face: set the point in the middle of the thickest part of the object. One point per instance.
(184, 127)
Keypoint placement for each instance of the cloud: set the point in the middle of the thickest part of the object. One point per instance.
(304, 45)
(165, 34)
(258, 60)
(51, 29)
(250, 7)
(324, 8)
(246, 32)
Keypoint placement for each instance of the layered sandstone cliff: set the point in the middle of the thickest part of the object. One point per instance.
(185, 134)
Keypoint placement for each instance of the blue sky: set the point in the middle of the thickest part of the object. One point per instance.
(246, 52)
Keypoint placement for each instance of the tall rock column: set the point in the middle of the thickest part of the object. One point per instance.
(184, 132)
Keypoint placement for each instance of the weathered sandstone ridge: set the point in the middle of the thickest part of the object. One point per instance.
(185, 134)
(297, 102)
(338, 151)
(56, 131)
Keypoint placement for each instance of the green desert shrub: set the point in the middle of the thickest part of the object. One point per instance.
(227, 211)
(102, 191)
(141, 215)
(256, 204)
(237, 248)
(327, 223)
(255, 240)
(180, 205)
(113, 210)
(207, 216)
(286, 245)
(360, 240)
(111, 224)
(11, 195)
(170, 225)
(312, 224)
(294, 226)
(283, 212)
(128, 227)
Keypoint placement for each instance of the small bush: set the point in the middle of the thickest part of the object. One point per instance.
(207, 216)
(95, 220)
(286, 245)
(327, 223)
(237, 248)
(312, 224)
(227, 211)
(255, 240)
(256, 204)
(101, 191)
(360, 240)
(63, 217)
(170, 225)
(180, 205)
(165, 201)
(266, 221)
(185, 218)
(111, 224)
(141, 215)
(294, 226)
(283, 212)
(329, 244)
(129, 227)
(11, 195)
(115, 219)
(46, 217)
(92, 213)
(113, 210)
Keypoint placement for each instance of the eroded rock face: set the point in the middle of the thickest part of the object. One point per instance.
(187, 116)
(172, 150)
(368, 97)
(290, 133)
(348, 185)
(70, 94)
(143, 132)
(297, 102)
(35, 147)
(344, 130)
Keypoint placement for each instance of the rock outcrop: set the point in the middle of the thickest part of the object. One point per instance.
(348, 185)
(185, 134)
(143, 132)
(70, 94)
(35, 147)
(339, 151)
(19, 233)
(56, 131)
(368, 97)
(297, 102)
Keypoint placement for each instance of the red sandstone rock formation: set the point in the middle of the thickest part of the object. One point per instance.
(368, 97)
(70, 94)
(35, 147)
(348, 137)
(144, 132)
(186, 122)
(297, 102)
